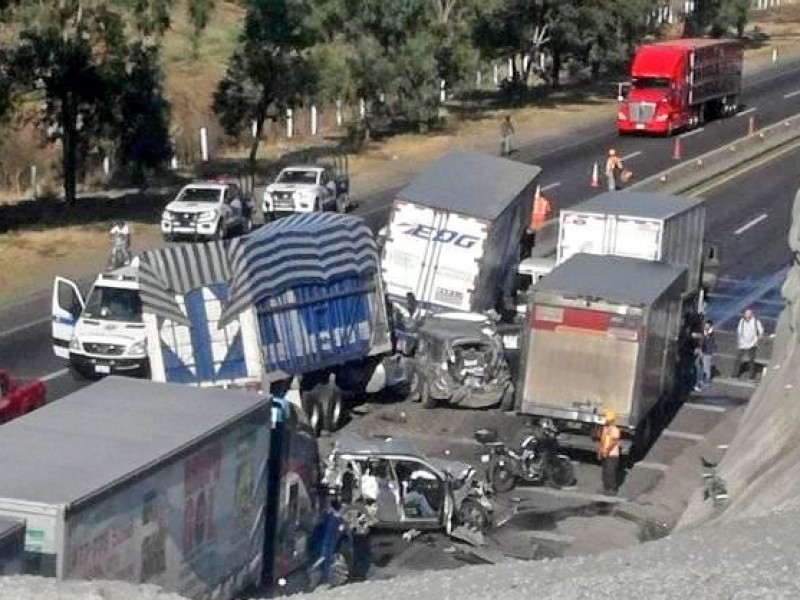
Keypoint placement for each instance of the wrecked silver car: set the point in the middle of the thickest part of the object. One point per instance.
(461, 361)
(399, 488)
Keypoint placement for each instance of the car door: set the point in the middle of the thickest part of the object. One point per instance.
(422, 493)
(67, 306)
(383, 489)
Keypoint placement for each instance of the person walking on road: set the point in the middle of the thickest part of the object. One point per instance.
(506, 136)
(608, 453)
(614, 170)
(749, 332)
(708, 349)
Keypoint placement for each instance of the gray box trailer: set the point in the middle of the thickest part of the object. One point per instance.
(12, 547)
(143, 482)
(601, 334)
(655, 227)
(454, 233)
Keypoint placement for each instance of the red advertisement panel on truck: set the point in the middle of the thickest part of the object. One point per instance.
(678, 84)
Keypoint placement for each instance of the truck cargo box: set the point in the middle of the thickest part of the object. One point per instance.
(601, 336)
(640, 225)
(454, 233)
(143, 482)
(301, 294)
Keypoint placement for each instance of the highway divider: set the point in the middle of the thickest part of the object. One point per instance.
(690, 174)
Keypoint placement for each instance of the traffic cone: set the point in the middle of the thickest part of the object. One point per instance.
(595, 182)
(676, 150)
(752, 128)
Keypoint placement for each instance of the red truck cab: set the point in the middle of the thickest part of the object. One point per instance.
(16, 398)
(678, 84)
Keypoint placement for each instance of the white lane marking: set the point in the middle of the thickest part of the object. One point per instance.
(19, 328)
(722, 446)
(54, 375)
(632, 155)
(692, 132)
(682, 435)
(551, 186)
(750, 224)
(792, 94)
(661, 467)
(747, 112)
(705, 407)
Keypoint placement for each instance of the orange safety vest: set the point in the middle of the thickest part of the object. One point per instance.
(609, 439)
(540, 212)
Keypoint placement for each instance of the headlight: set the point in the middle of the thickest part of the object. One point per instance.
(207, 215)
(622, 116)
(74, 344)
(138, 349)
(166, 215)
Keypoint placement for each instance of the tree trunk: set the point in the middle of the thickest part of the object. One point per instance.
(69, 154)
(556, 68)
(251, 158)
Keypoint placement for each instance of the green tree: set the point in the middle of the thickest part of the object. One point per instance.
(74, 57)
(200, 12)
(270, 70)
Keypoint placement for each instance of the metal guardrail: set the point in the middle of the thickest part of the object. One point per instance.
(691, 173)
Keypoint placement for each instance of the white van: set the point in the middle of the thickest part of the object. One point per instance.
(105, 334)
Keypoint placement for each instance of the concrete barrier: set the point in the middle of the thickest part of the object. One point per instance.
(690, 173)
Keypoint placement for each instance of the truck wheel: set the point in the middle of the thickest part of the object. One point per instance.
(341, 565)
(503, 479)
(425, 396)
(332, 406)
(472, 514)
(560, 473)
(313, 411)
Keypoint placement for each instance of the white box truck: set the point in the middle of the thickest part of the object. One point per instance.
(454, 233)
(647, 226)
(152, 483)
(602, 334)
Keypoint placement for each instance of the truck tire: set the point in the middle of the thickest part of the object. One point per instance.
(341, 568)
(473, 514)
(332, 406)
(313, 411)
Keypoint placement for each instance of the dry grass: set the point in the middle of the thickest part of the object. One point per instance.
(30, 259)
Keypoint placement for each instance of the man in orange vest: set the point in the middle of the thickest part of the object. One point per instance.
(608, 453)
(540, 212)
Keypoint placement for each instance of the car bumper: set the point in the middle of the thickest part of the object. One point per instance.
(655, 127)
(97, 366)
(200, 229)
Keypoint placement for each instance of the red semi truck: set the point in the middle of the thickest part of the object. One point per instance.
(678, 84)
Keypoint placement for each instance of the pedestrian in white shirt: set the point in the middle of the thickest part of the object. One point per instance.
(749, 332)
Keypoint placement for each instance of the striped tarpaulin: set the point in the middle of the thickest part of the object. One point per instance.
(179, 269)
(301, 249)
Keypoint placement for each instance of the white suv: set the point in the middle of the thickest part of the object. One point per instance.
(207, 210)
(305, 189)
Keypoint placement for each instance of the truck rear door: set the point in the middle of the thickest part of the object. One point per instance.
(67, 306)
(637, 238)
(580, 361)
(434, 254)
(582, 233)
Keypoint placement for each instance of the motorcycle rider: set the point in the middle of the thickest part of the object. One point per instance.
(608, 453)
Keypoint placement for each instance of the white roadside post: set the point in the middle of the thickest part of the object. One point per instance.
(106, 166)
(442, 91)
(774, 55)
(495, 74)
(34, 182)
(254, 129)
(362, 108)
(339, 113)
(313, 120)
(289, 123)
(203, 144)
(510, 67)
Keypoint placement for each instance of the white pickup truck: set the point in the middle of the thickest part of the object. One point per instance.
(306, 189)
(207, 211)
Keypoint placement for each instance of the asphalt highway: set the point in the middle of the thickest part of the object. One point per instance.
(748, 216)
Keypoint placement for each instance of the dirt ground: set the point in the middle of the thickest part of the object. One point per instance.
(29, 259)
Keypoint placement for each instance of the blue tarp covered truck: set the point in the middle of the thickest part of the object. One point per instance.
(300, 299)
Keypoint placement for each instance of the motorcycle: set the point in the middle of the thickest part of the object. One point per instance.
(539, 459)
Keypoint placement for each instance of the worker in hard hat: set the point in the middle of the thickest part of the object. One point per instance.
(608, 453)
(540, 212)
(614, 170)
